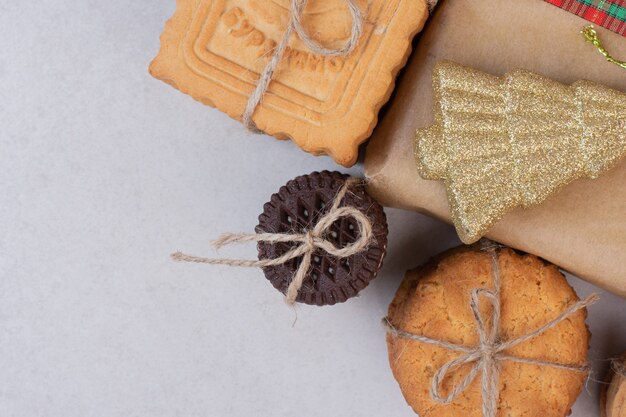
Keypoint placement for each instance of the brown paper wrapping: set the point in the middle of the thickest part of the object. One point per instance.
(583, 227)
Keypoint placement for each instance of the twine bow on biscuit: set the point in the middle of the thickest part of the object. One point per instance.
(489, 352)
(295, 25)
(309, 241)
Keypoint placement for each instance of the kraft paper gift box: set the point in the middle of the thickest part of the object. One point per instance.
(582, 228)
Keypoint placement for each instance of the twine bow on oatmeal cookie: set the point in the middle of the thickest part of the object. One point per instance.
(489, 352)
(295, 25)
(309, 242)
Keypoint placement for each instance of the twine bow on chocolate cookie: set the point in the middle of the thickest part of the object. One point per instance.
(308, 242)
(489, 352)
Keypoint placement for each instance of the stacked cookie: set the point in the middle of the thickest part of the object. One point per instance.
(542, 375)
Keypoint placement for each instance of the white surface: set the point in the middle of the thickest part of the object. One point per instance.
(103, 172)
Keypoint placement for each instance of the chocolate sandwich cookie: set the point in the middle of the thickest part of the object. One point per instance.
(297, 208)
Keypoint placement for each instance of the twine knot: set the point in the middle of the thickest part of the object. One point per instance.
(489, 352)
(309, 241)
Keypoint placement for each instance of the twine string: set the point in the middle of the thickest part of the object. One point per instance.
(619, 367)
(308, 242)
(431, 5)
(487, 355)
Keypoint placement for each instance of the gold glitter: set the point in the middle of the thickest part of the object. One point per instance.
(501, 143)
(591, 36)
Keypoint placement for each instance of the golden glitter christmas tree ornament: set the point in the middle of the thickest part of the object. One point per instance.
(500, 143)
